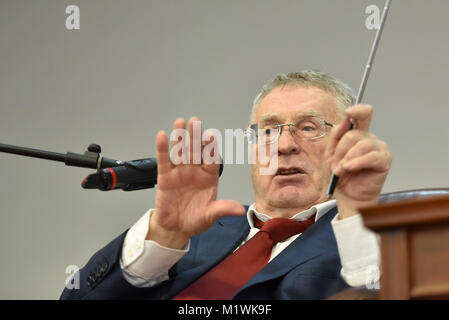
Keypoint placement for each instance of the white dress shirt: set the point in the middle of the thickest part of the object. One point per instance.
(145, 263)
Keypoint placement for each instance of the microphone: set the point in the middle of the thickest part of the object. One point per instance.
(128, 176)
(111, 174)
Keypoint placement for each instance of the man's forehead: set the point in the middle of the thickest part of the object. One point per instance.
(298, 100)
(276, 115)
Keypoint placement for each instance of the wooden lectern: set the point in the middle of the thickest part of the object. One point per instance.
(414, 247)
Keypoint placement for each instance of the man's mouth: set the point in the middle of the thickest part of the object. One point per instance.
(289, 171)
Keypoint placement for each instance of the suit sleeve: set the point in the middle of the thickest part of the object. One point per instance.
(102, 278)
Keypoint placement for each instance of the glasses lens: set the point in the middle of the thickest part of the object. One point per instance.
(251, 136)
(310, 127)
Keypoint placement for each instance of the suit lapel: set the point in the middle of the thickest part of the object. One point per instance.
(226, 235)
(313, 242)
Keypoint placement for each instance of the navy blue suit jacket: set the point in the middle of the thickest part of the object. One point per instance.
(309, 268)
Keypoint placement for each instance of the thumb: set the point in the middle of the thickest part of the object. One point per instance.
(220, 208)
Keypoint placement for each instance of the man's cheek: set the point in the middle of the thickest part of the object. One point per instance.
(264, 184)
(322, 175)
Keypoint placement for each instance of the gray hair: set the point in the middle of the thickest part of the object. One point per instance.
(343, 93)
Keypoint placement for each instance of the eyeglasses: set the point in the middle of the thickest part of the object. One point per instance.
(306, 128)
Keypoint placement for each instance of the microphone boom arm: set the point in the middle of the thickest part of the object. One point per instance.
(90, 159)
(111, 174)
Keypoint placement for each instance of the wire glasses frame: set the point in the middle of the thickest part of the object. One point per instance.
(309, 128)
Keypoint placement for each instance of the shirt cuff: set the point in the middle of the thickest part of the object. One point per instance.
(145, 263)
(359, 252)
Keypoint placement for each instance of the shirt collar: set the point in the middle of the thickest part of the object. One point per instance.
(319, 209)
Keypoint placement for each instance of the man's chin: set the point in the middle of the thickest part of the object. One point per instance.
(288, 196)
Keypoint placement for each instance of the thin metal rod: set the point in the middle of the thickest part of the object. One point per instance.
(334, 179)
(372, 54)
(34, 153)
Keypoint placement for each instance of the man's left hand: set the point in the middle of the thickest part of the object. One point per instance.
(359, 159)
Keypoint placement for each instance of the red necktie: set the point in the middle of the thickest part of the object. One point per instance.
(224, 280)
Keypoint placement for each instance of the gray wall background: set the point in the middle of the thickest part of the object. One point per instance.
(134, 66)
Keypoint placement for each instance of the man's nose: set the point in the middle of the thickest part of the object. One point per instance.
(287, 142)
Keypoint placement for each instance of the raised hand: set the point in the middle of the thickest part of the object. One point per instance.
(360, 159)
(186, 202)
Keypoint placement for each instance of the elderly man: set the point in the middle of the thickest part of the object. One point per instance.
(292, 243)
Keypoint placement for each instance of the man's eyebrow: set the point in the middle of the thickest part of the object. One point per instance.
(268, 117)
